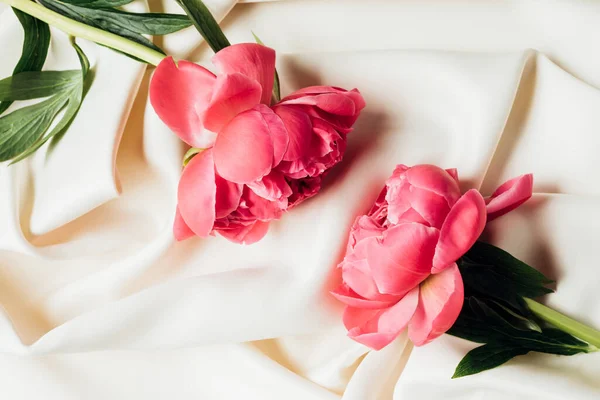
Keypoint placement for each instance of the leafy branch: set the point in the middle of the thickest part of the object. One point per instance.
(496, 312)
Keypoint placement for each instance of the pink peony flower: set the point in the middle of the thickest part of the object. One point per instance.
(400, 266)
(262, 159)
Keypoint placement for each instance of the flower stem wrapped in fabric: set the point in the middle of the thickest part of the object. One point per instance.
(263, 158)
(414, 262)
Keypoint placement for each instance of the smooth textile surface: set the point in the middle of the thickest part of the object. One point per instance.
(100, 302)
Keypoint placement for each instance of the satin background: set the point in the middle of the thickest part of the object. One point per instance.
(99, 302)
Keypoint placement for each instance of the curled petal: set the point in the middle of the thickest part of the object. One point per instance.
(300, 132)
(179, 93)
(357, 275)
(272, 187)
(181, 230)
(196, 194)
(354, 94)
(228, 196)
(346, 295)
(262, 209)
(333, 103)
(245, 234)
(402, 259)
(363, 227)
(379, 211)
(278, 131)
(454, 174)
(232, 94)
(253, 60)
(243, 151)
(462, 227)
(440, 300)
(378, 329)
(510, 195)
(407, 202)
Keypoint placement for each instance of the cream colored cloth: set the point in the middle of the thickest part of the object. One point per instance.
(99, 302)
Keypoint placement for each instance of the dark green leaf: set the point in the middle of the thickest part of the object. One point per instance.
(36, 84)
(83, 15)
(554, 341)
(35, 47)
(128, 25)
(20, 129)
(98, 3)
(517, 320)
(205, 23)
(528, 281)
(488, 271)
(276, 89)
(486, 357)
(113, 20)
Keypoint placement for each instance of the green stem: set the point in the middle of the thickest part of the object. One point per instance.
(84, 31)
(564, 323)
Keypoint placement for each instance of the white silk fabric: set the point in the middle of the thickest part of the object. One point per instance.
(99, 302)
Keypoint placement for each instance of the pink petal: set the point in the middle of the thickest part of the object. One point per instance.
(261, 208)
(272, 187)
(178, 92)
(313, 90)
(454, 174)
(509, 196)
(432, 207)
(246, 234)
(402, 259)
(299, 129)
(462, 227)
(196, 194)
(180, 229)
(434, 179)
(253, 60)
(232, 94)
(244, 149)
(440, 301)
(334, 103)
(383, 327)
(357, 275)
(363, 227)
(346, 295)
(278, 131)
(228, 197)
(354, 94)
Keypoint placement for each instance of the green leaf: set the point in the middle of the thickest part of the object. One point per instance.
(75, 97)
(276, 89)
(83, 60)
(20, 129)
(205, 23)
(486, 357)
(98, 3)
(23, 131)
(36, 84)
(35, 47)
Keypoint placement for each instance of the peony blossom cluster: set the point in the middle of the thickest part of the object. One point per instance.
(400, 265)
(258, 159)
